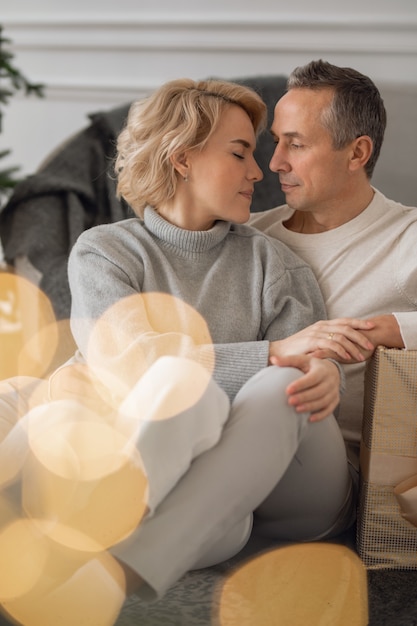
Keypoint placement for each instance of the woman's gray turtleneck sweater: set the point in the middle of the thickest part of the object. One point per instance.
(250, 290)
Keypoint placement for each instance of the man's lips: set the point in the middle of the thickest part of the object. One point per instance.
(247, 194)
(287, 186)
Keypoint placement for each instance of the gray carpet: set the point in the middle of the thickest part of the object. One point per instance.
(392, 596)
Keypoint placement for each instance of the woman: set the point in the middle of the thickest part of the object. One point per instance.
(257, 434)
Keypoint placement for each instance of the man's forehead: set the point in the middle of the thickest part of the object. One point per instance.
(299, 96)
(300, 109)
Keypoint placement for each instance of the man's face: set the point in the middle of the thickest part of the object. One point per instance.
(313, 175)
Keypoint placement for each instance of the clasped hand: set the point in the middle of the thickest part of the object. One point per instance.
(346, 340)
(317, 392)
(343, 339)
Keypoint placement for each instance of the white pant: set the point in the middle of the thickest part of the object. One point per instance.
(221, 464)
(268, 459)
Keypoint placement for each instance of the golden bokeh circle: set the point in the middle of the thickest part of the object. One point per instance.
(28, 331)
(296, 585)
(82, 478)
(135, 332)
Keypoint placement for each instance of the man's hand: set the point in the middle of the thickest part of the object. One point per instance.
(317, 392)
(384, 331)
(344, 339)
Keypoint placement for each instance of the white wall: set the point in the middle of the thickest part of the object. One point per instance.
(94, 54)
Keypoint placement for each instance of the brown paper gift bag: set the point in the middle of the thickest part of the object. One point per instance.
(386, 534)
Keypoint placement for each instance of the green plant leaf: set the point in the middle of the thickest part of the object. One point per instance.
(12, 80)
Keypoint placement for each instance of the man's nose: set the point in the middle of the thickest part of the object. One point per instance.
(278, 162)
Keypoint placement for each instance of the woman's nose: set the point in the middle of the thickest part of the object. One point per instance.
(256, 172)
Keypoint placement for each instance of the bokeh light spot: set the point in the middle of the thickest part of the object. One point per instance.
(169, 387)
(72, 591)
(23, 557)
(28, 332)
(136, 331)
(311, 583)
(83, 476)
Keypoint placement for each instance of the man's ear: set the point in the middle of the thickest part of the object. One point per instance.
(179, 161)
(361, 152)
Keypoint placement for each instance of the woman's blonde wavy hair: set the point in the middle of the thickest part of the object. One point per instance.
(181, 115)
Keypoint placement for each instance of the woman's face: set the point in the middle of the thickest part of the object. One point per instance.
(221, 176)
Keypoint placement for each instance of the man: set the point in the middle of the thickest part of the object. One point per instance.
(328, 129)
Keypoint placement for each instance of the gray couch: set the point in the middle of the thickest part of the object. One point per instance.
(396, 171)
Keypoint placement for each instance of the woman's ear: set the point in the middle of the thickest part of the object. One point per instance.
(361, 152)
(180, 163)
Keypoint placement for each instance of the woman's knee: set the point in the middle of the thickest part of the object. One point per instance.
(266, 390)
(265, 397)
(271, 379)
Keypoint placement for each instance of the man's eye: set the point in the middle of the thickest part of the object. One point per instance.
(296, 145)
(239, 156)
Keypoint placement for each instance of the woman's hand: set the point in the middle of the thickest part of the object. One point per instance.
(341, 339)
(317, 392)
